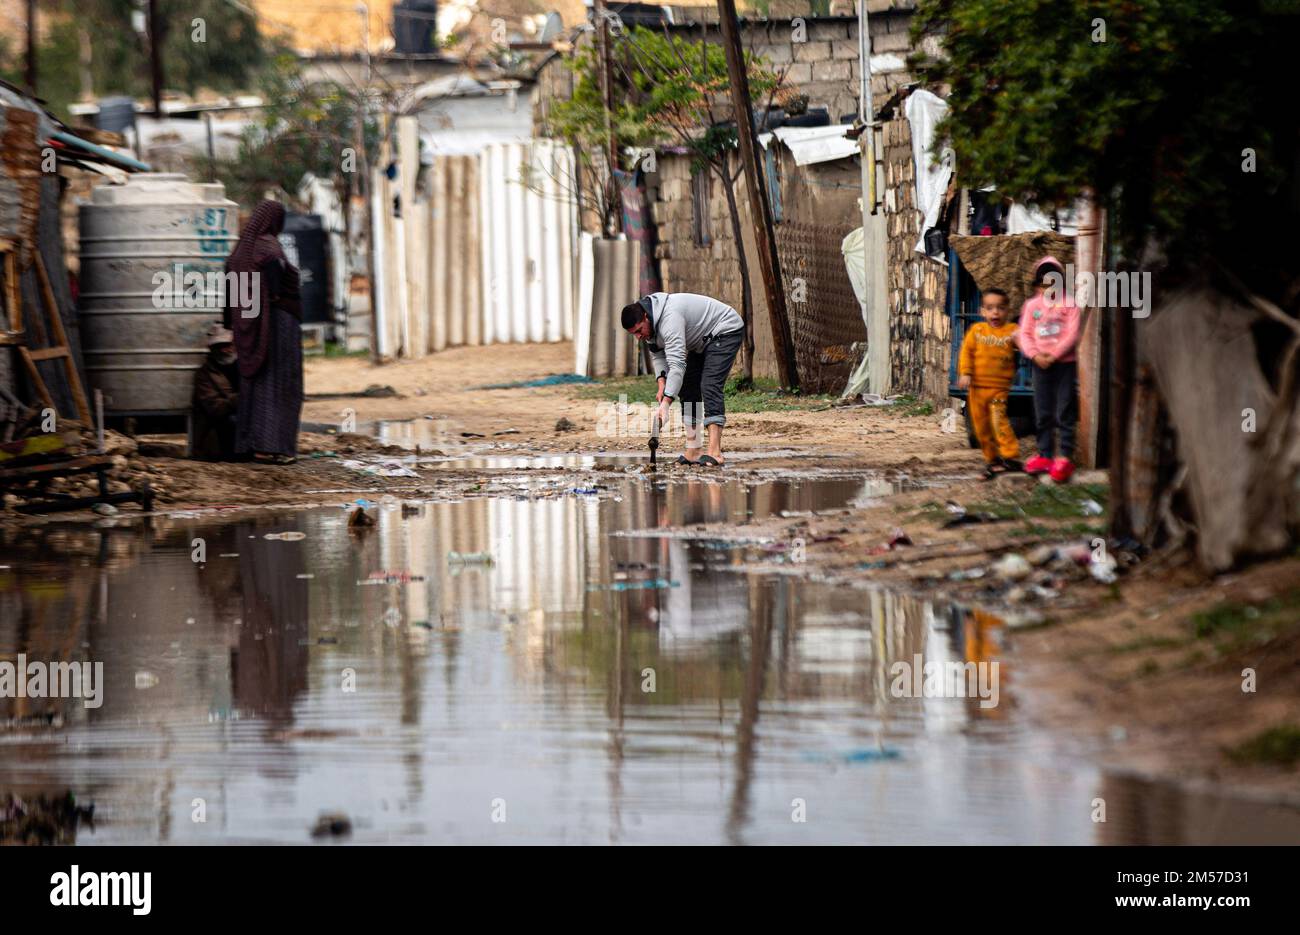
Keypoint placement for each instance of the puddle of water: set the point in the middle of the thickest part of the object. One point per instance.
(587, 687)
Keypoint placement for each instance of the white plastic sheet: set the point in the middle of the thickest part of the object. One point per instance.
(924, 111)
(811, 145)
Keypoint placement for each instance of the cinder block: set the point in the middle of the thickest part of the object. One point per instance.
(799, 74)
(891, 42)
(811, 51)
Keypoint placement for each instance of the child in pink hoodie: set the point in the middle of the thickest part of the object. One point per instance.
(1049, 331)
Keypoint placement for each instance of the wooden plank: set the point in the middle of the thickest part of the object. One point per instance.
(48, 353)
(54, 468)
(35, 376)
(61, 340)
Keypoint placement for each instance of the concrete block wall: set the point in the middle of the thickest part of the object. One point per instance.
(920, 332)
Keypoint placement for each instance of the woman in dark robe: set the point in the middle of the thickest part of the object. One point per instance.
(268, 339)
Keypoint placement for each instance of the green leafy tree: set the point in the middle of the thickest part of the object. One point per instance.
(305, 128)
(667, 90)
(1178, 114)
(206, 44)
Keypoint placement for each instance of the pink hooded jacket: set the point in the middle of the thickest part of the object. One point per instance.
(1047, 327)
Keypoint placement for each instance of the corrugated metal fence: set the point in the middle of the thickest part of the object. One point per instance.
(476, 249)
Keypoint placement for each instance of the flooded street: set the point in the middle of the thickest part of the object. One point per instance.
(522, 670)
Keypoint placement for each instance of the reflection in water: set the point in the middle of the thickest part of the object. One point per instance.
(604, 687)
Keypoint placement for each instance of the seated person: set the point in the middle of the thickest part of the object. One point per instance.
(216, 399)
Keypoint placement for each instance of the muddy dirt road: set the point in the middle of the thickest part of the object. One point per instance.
(786, 594)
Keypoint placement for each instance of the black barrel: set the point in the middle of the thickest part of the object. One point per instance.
(304, 242)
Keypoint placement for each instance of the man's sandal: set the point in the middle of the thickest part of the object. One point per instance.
(709, 461)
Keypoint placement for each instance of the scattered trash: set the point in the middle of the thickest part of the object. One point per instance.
(104, 509)
(472, 435)
(1102, 567)
(1092, 508)
(1041, 555)
(307, 576)
(555, 379)
(1012, 567)
(966, 574)
(285, 536)
(899, 537)
(470, 558)
(867, 566)
(873, 399)
(145, 679)
(507, 432)
(966, 519)
(332, 825)
(389, 468)
(1079, 553)
(585, 491)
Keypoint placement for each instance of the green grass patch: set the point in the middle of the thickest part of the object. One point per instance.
(1232, 625)
(1046, 501)
(338, 349)
(1147, 642)
(909, 407)
(762, 396)
(1279, 746)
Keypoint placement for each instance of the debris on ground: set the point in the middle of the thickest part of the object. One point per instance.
(555, 379)
(1103, 566)
(564, 425)
(1012, 567)
(389, 468)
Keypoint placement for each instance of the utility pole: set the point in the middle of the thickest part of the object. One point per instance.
(760, 208)
(875, 301)
(30, 75)
(155, 57)
(602, 15)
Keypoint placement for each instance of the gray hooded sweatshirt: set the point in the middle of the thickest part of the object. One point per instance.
(683, 323)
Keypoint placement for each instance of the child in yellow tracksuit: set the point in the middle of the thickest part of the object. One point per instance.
(986, 369)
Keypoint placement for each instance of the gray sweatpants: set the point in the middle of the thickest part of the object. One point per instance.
(706, 375)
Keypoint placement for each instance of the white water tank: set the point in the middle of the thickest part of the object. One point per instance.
(143, 335)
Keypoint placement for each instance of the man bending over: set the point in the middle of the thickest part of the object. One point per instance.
(693, 341)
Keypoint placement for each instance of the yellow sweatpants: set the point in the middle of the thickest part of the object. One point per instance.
(988, 414)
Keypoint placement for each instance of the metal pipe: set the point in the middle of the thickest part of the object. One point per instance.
(102, 152)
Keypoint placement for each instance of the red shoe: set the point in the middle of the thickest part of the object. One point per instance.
(1038, 465)
(1062, 470)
